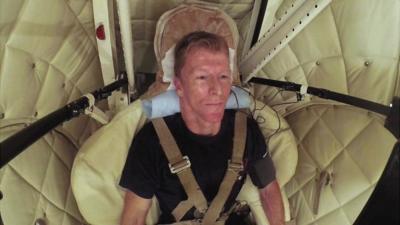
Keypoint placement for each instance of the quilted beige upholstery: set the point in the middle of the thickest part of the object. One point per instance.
(145, 14)
(98, 166)
(175, 24)
(182, 20)
(352, 47)
(37, 183)
(350, 144)
(281, 144)
(48, 58)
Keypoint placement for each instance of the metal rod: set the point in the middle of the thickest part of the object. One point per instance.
(15, 144)
(280, 34)
(323, 93)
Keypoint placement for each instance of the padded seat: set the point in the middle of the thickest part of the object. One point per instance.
(98, 165)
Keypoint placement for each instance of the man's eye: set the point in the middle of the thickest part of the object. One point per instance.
(201, 77)
(224, 76)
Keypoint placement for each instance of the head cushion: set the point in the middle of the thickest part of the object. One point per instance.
(184, 19)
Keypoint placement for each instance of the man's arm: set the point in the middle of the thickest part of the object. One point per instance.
(135, 209)
(272, 203)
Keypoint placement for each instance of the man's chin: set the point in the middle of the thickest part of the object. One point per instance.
(215, 117)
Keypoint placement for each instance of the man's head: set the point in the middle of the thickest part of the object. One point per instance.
(196, 40)
(202, 76)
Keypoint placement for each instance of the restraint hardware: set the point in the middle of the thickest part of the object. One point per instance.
(179, 166)
(198, 214)
(234, 166)
(210, 213)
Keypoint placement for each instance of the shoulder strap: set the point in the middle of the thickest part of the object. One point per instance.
(181, 166)
(235, 166)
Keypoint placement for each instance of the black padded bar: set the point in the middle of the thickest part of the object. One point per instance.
(323, 93)
(16, 143)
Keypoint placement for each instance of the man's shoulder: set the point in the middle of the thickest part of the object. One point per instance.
(148, 130)
(231, 113)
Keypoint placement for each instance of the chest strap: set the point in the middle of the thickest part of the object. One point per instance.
(181, 166)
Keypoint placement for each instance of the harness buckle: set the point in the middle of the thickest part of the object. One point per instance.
(235, 166)
(179, 166)
(198, 214)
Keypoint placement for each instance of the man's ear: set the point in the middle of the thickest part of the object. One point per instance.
(178, 86)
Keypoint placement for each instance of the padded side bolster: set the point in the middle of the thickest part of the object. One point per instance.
(282, 144)
(98, 165)
(250, 194)
(283, 149)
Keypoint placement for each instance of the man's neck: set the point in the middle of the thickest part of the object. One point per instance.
(199, 126)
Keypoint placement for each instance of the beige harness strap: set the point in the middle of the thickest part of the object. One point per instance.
(181, 166)
(235, 166)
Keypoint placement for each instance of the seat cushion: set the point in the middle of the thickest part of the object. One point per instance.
(98, 165)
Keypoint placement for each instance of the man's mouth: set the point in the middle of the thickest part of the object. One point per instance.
(214, 104)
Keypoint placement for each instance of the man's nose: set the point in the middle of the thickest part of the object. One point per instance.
(215, 86)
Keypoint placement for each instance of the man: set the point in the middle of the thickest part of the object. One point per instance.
(203, 132)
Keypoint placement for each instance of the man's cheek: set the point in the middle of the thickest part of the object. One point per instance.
(200, 90)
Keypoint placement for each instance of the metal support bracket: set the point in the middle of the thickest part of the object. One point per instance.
(280, 34)
(95, 112)
(106, 46)
(124, 16)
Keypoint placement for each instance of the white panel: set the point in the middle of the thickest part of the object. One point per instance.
(124, 15)
(102, 17)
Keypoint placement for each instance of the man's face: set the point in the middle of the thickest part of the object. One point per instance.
(204, 84)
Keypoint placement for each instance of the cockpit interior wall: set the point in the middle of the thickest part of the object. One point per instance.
(352, 47)
(48, 57)
(145, 14)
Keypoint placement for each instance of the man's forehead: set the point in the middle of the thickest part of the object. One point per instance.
(195, 50)
(205, 69)
(207, 62)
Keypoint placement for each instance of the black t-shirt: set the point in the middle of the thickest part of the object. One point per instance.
(146, 172)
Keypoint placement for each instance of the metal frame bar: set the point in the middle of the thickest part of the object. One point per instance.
(255, 15)
(124, 15)
(106, 48)
(280, 34)
(18, 142)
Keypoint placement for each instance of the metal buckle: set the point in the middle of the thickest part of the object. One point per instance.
(179, 166)
(198, 214)
(234, 166)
